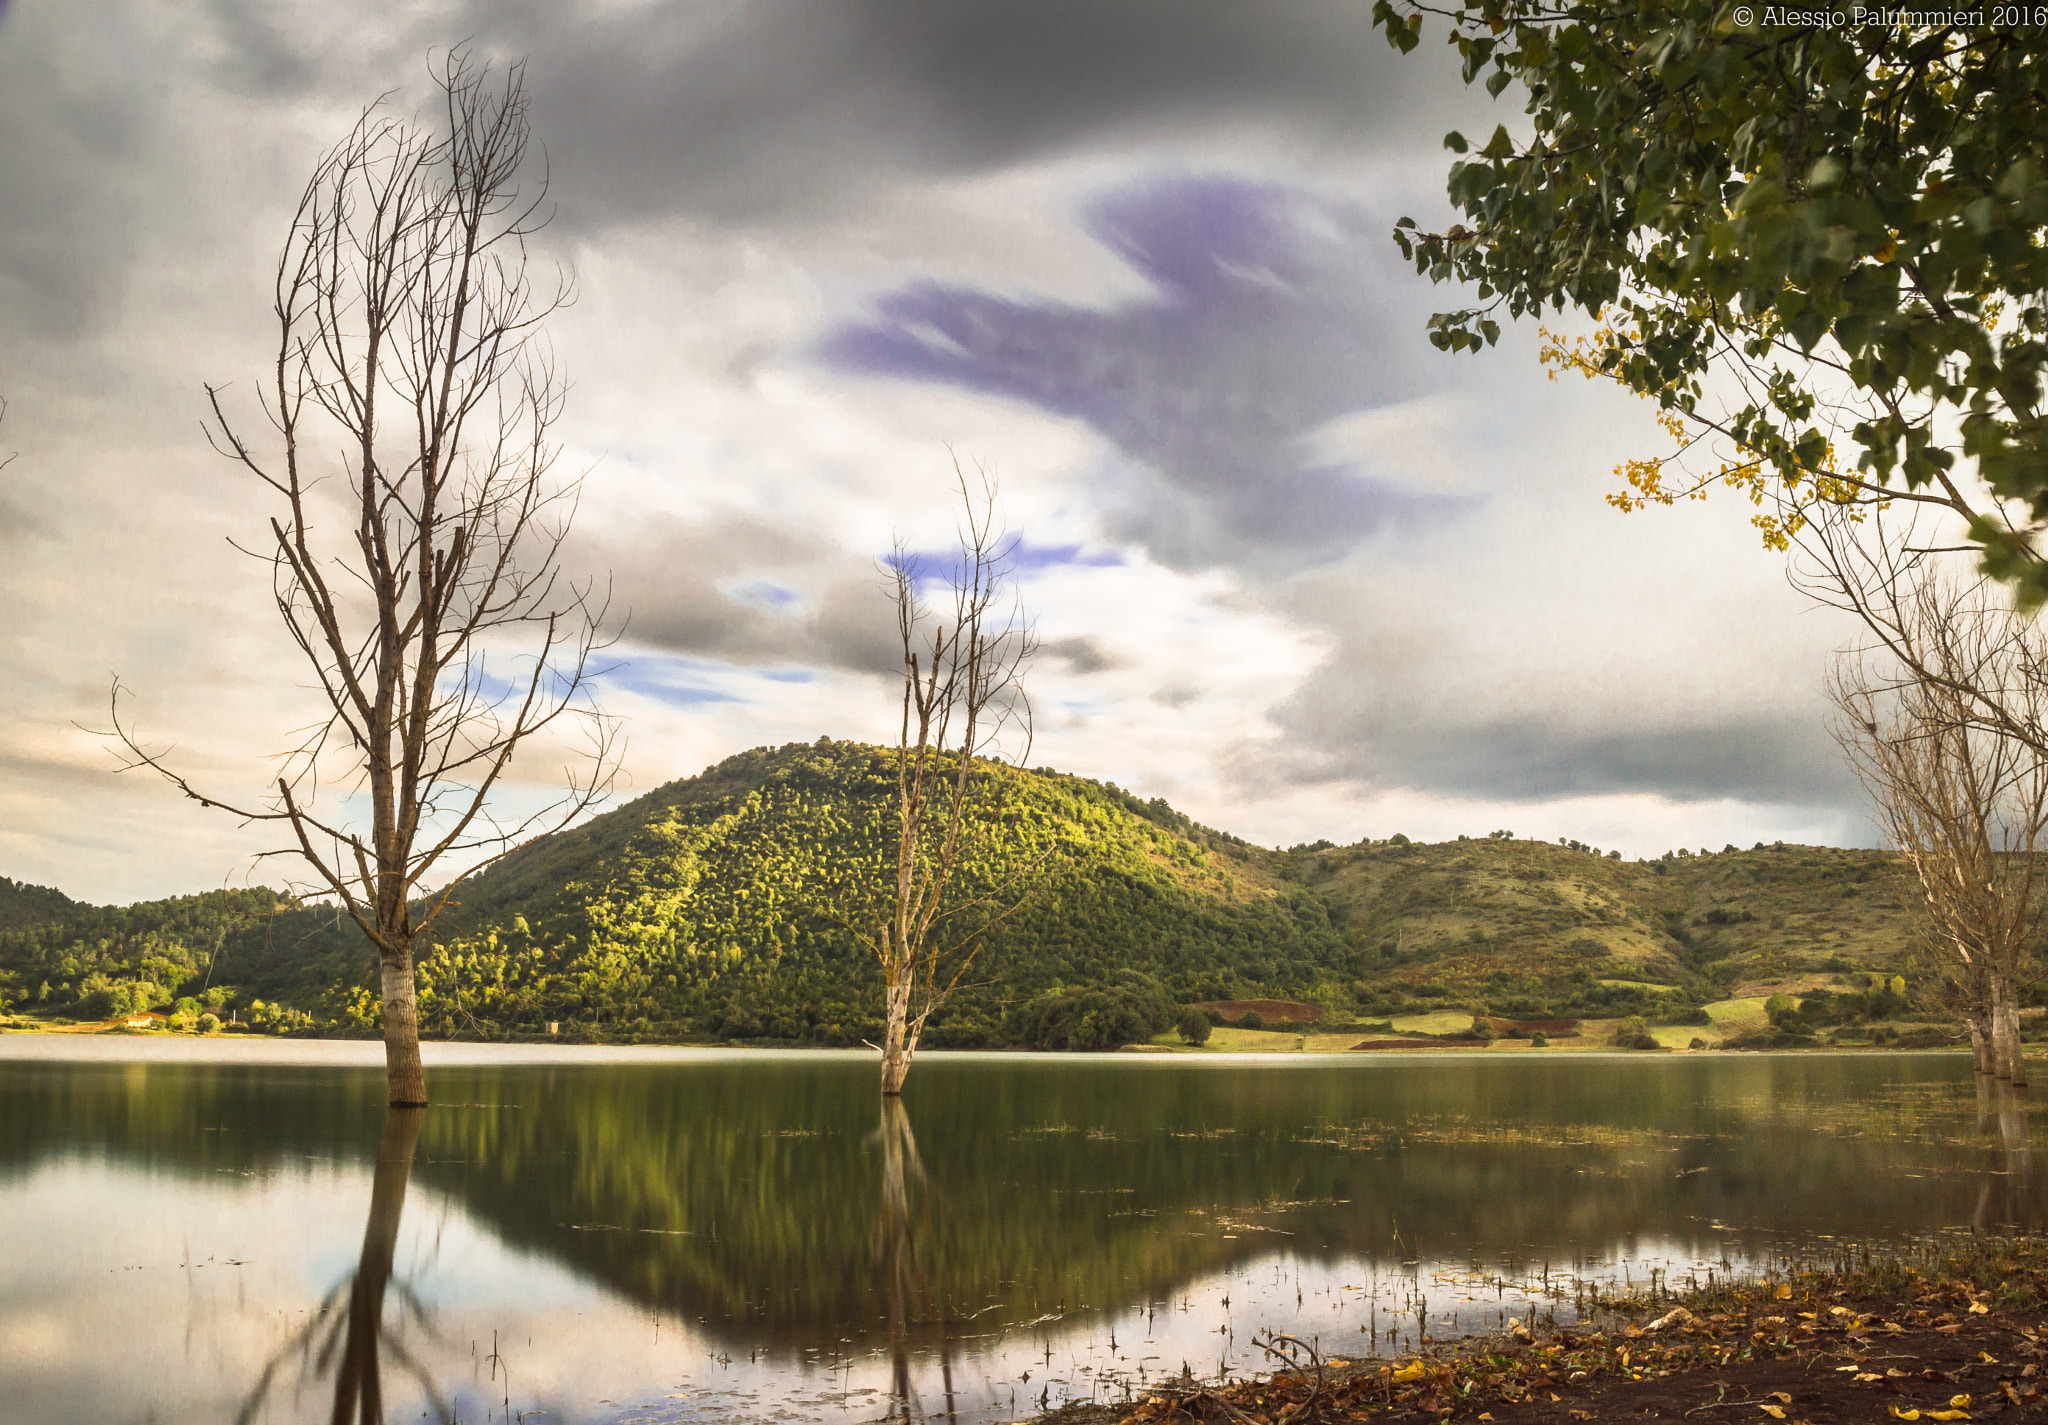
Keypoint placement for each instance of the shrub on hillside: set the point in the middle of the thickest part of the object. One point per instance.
(1130, 1010)
(1194, 1027)
(1633, 1033)
(1252, 1020)
(1925, 1037)
(209, 1023)
(102, 998)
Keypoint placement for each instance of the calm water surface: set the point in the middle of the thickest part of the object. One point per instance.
(212, 1232)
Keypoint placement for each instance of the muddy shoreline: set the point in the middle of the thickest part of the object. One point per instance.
(1947, 1337)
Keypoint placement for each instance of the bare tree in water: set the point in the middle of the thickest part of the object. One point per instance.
(965, 732)
(1945, 720)
(416, 522)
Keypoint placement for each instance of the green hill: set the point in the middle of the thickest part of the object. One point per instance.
(716, 907)
(712, 907)
(22, 904)
(242, 946)
(1520, 926)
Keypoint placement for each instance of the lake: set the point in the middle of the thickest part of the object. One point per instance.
(204, 1230)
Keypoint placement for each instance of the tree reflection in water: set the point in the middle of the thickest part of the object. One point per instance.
(902, 1273)
(354, 1343)
(2006, 1199)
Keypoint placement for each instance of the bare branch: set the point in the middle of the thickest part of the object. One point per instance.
(1942, 713)
(411, 405)
(965, 721)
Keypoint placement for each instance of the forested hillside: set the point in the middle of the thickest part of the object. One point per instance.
(724, 906)
(249, 950)
(22, 904)
(721, 906)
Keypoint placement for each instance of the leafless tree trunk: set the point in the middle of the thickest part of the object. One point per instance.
(359, 1380)
(355, 1340)
(410, 345)
(1964, 800)
(902, 1273)
(966, 726)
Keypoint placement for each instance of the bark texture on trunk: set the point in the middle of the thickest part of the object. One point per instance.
(2005, 1030)
(1977, 1009)
(899, 1041)
(358, 1382)
(406, 1077)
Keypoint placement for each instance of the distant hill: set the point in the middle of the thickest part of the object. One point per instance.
(710, 909)
(1517, 924)
(91, 961)
(22, 904)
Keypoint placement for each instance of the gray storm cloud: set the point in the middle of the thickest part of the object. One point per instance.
(782, 108)
(1239, 163)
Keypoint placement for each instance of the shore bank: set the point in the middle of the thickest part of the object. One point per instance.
(1950, 1332)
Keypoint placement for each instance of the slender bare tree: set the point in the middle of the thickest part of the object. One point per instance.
(414, 547)
(1965, 801)
(965, 733)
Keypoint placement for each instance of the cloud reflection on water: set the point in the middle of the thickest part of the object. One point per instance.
(663, 1237)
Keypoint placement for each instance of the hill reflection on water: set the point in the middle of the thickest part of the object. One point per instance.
(981, 1247)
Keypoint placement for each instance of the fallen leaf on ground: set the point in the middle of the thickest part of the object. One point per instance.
(1775, 1412)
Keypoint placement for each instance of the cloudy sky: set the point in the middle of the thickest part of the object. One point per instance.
(1296, 571)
